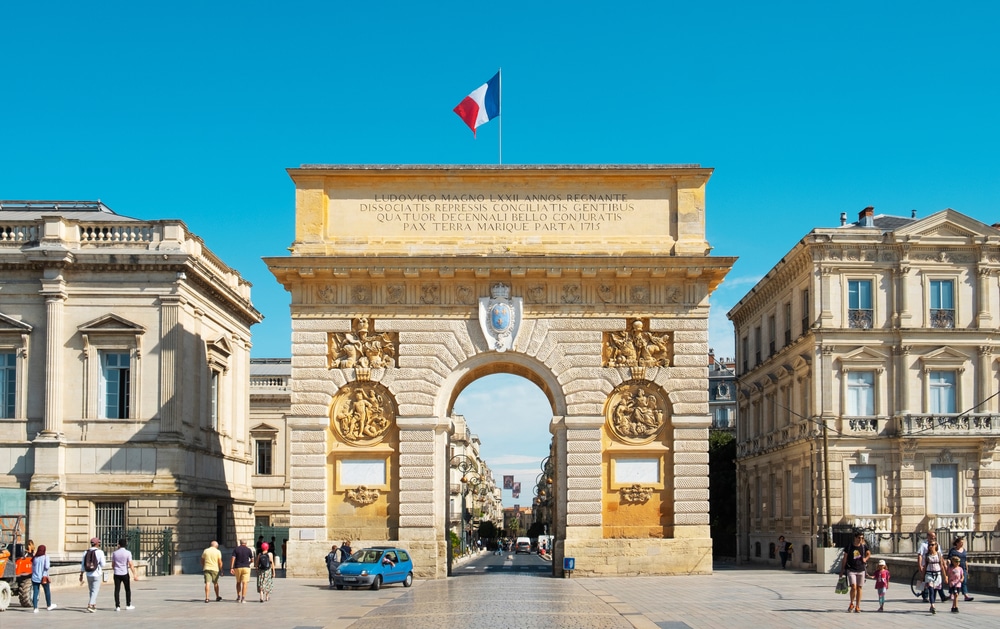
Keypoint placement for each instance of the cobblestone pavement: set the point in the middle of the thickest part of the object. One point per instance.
(483, 597)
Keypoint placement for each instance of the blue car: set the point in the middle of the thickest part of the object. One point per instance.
(372, 567)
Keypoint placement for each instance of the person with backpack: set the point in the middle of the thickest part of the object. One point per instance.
(265, 572)
(93, 561)
(856, 555)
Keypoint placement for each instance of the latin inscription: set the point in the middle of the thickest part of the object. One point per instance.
(491, 213)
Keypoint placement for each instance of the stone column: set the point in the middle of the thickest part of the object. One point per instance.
(423, 497)
(54, 291)
(983, 317)
(984, 380)
(170, 360)
(901, 288)
(902, 379)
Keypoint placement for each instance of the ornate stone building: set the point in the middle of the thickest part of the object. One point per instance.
(868, 382)
(270, 406)
(409, 283)
(124, 350)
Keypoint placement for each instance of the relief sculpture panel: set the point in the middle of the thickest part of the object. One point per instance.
(362, 347)
(362, 413)
(636, 347)
(635, 413)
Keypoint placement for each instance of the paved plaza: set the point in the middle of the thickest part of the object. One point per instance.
(485, 597)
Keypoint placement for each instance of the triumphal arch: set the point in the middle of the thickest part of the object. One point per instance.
(410, 282)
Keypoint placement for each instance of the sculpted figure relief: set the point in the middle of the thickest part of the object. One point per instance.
(362, 348)
(635, 412)
(363, 413)
(635, 347)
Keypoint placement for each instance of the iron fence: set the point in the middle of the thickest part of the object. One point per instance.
(154, 546)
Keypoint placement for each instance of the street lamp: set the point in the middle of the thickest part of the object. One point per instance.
(466, 466)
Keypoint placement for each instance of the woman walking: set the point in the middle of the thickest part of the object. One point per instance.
(932, 571)
(265, 572)
(958, 550)
(40, 566)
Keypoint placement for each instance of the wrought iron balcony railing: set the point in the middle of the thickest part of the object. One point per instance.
(950, 424)
(860, 318)
(942, 318)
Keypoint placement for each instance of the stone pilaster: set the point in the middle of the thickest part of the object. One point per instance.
(54, 291)
(309, 483)
(423, 515)
(170, 374)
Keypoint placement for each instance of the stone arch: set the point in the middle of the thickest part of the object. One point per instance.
(486, 364)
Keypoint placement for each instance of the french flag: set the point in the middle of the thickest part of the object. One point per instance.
(482, 105)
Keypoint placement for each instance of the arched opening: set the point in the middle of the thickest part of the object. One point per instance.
(503, 412)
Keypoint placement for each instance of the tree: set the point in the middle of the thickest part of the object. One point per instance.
(487, 530)
(722, 492)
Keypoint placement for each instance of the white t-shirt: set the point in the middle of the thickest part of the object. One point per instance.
(119, 561)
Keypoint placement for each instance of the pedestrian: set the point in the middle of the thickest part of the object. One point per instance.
(265, 572)
(345, 550)
(239, 566)
(921, 554)
(260, 540)
(93, 562)
(284, 555)
(40, 566)
(856, 555)
(784, 550)
(958, 550)
(211, 566)
(29, 549)
(122, 566)
(956, 576)
(881, 577)
(932, 572)
(332, 563)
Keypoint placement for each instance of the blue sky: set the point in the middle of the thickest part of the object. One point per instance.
(193, 110)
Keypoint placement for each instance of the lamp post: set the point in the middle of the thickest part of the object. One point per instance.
(467, 467)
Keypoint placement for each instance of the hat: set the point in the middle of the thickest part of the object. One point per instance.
(94, 541)
(881, 562)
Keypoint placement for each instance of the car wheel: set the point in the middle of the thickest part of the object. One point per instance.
(408, 581)
(377, 583)
(339, 587)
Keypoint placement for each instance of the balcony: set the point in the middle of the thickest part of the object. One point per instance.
(942, 318)
(860, 318)
(951, 521)
(864, 425)
(963, 424)
(877, 522)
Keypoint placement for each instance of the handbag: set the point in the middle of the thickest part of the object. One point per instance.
(842, 587)
(45, 580)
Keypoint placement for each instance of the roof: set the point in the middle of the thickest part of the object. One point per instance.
(79, 210)
(270, 366)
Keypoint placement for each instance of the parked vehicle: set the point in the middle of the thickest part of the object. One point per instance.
(15, 568)
(373, 567)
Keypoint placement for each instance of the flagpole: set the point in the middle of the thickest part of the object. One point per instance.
(500, 125)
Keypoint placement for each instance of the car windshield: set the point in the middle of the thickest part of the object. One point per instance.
(368, 555)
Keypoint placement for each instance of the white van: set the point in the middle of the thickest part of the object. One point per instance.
(522, 545)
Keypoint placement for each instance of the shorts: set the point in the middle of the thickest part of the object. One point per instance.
(955, 590)
(242, 575)
(211, 576)
(856, 578)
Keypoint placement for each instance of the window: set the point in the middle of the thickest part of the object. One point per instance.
(772, 334)
(859, 304)
(789, 493)
(745, 347)
(756, 493)
(8, 384)
(264, 457)
(109, 521)
(214, 401)
(860, 393)
(941, 385)
(863, 493)
(788, 323)
(116, 376)
(944, 488)
(805, 311)
(757, 344)
(942, 311)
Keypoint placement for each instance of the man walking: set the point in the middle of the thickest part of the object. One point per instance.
(784, 550)
(332, 563)
(93, 561)
(122, 567)
(239, 567)
(211, 566)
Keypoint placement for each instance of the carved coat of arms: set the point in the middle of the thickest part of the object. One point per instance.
(500, 317)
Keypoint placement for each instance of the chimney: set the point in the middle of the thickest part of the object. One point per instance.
(913, 214)
(711, 357)
(843, 219)
(866, 218)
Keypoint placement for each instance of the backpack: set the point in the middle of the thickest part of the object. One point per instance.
(90, 560)
(264, 562)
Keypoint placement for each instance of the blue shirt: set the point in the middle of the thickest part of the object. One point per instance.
(40, 568)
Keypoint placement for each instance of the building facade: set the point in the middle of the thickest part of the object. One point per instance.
(270, 406)
(867, 384)
(125, 350)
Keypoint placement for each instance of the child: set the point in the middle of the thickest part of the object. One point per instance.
(955, 578)
(881, 577)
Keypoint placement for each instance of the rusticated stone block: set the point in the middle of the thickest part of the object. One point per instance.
(584, 495)
(690, 470)
(583, 519)
(416, 508)
(416, 521)
(583, 507)
(700, 519)
(690, 458)
(416, 484)
(591, 482)
(583, 459)
(575, 447)
(416, 447)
